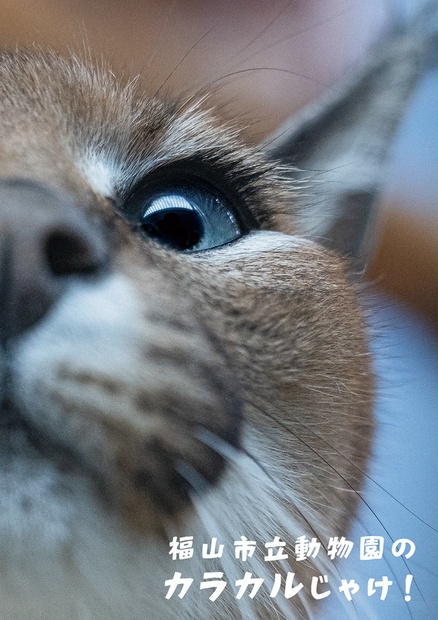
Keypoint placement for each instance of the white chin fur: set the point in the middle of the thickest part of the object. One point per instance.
(95, 568)
(67, 558)
(83, 331)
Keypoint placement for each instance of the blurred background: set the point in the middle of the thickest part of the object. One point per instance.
(278, 56)
(266, 60)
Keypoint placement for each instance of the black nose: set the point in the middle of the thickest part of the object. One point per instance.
(46, 241)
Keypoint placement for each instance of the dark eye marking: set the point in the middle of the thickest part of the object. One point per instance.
(188, 218)
(184, 212)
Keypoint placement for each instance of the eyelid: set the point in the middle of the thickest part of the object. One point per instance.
(199, 171)
(184, 214)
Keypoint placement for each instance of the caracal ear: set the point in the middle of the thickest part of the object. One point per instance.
(339, 143)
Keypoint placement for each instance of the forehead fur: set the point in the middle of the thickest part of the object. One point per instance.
(71, 112)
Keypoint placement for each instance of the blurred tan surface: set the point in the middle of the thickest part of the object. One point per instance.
(277, 56)
(405, 260)
(190, 43)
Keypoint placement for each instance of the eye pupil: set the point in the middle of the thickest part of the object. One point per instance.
(179, 229)
(183, 216)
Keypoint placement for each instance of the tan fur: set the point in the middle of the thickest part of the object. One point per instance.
(260, 343)
(262, 338)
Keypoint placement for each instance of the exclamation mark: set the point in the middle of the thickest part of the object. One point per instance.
(408, 583)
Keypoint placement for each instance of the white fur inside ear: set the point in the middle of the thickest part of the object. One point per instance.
(257, 243)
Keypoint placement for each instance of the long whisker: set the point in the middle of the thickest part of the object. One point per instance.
(164, 25)
(363, 472)
(235, 457)
(214, 84)
(206, 516)
(189, 51)
(198, 485)
(349, 485)
(292, 35)
(260, 34)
